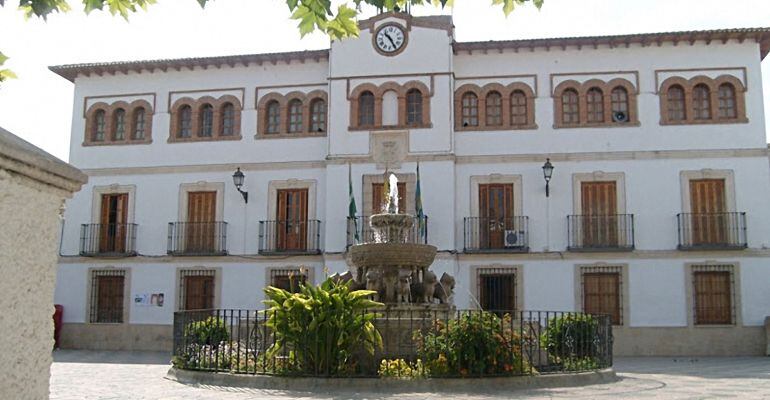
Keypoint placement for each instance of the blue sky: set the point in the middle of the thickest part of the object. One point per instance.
(38, 105)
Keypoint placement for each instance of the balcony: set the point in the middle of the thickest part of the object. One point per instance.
(197, 238)
(712, 231)
(600, 232)
(290, 237)
(496, 235)
(108, 240)
(359, 231)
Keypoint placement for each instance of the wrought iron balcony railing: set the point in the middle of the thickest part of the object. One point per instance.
(290, 237)
(197, 238)
(108, 240)
(712, 231)
(600, 232)
(359, 231)
(496, 235)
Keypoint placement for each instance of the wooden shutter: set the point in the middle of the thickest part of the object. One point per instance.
(378, 199)
(291, 226)
(708, 206)
(200, 229)
(599, 208)
(113, 219)
(109, 299)
(601, 295)
(199, 292)
(495, 214)
(713, 299)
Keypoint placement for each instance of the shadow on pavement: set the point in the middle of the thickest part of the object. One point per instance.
(111, 357)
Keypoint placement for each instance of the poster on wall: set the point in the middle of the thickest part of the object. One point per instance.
(149, 300)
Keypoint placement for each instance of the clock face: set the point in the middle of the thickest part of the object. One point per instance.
(390, 38)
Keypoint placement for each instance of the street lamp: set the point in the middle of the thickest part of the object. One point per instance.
(547, 173)
(238, 179)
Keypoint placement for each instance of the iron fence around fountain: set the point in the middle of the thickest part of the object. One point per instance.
(359, 231)
(526, 343)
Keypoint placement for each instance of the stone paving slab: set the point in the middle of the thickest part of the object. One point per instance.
(87, 375)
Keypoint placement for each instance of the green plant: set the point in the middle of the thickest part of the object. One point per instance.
(473, 343)
(210, 331)
(569, 340)
(321, 328)
(402, 369)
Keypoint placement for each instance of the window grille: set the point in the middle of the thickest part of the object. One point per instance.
(701, 101)
(228, 119)
(273, 117)
(595, 105)
(99, 128)
(497, 289)
(494, 109)
(713, 294)
(366, 109)
(196, 289)
(602, 289)
(107, 287)
(619, 100)
(185, 122)
(288, 279)
(206, 121)
(318, 116)
(120, 124)
(139, 124)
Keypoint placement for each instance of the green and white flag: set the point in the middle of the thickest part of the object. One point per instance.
(352, 204)
(421, 222)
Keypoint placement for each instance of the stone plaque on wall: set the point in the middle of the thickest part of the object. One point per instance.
(389, 149)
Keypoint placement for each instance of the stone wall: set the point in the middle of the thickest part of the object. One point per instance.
(31, 196)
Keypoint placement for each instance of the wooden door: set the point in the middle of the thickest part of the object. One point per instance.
(601, 295)
(199, 292)
(378, 198)
(200, 228)
(112, 228)
(109, 303)
(708, 207)
(599, 214)
(292, 219)
(495, 214)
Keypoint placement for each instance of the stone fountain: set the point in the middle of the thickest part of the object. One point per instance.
(395, 266)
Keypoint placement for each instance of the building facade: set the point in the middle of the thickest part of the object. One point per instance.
(655, 211)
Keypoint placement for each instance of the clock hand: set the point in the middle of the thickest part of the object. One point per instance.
(390, 39)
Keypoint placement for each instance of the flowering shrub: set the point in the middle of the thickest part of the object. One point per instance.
(399, 368)
(211, 331)
(473, 343)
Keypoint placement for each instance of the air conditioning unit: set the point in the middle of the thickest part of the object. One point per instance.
(514, 238)
(619, 117)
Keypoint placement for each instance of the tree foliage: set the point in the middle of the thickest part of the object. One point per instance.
(5, 73)
(311, 15)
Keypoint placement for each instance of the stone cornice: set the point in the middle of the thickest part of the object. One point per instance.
(22, 158)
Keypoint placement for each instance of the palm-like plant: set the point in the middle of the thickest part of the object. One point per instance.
(321, 328)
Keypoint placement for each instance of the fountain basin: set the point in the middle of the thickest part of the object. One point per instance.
(393, 255)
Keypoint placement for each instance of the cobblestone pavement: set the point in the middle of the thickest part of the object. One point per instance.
(91, 375)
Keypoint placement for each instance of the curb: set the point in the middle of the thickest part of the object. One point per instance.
(438, 385)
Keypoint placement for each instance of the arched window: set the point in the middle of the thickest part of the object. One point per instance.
(414, 107)
(206, 121)
(701, 102)
(570, 108)
(470, 109)
(185, 122)
(228, 119)
(494, 109)
(295, 116)
(97, 134)
(273, 117)
(366, 109)
(595, 105)
(727, 108)
(619, 101)
(518, 108)
(139, 124)
(675, 103)
(119, 121)
(318, 115)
